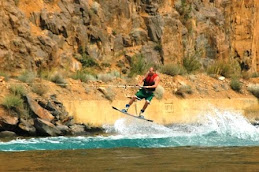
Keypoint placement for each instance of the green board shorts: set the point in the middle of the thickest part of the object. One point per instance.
(144, 94)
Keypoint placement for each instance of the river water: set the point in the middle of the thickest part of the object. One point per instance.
(219, 141)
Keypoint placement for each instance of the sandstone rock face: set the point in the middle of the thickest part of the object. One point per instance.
(38, 110)
(37, 34)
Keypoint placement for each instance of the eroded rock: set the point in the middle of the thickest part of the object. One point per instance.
(38, 110)
(46, 128)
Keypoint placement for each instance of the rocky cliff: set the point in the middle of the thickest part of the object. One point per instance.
(51, 33)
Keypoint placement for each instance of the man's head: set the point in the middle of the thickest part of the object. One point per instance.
(151, 71)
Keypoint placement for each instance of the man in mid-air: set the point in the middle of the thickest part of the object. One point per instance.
(151, 80)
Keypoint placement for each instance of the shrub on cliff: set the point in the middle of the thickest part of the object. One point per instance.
(84, 77)
(59, 80)
(173, 69)
(235, 84)
(12, 102)
(45, 74)
(138, 65)
(191, 64)
(86, 60)
(225, 68)
(27, 77)
(17, 90)
(39, 89)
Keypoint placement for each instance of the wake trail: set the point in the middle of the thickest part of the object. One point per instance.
(221, 123)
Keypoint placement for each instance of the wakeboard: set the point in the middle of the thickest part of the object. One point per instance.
(126, 113)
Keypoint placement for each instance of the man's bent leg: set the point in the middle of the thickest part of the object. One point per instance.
(132, 100)
(129, 104)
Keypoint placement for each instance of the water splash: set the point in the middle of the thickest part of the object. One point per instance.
(215, 128)
(229, 123)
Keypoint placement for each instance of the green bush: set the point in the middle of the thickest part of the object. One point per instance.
(86, 60)
(173, 69)
(27, 77)
(18, 90)
(235, 84)
(45, 74)
(59, 80)
(225, 68)
(138, 65)
(12, 102)
(191, 64)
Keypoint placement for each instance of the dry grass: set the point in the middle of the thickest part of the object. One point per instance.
(184, 89)
(105, 77)
(39, 89)
(159, 93)
(191, 64)
(228, 69)
(27, 77)
(59, 80)
(18, 90)
(84, 77)
(173, 69)
(12, 102)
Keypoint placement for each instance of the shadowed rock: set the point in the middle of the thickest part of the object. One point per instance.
(7, 134)
(46, 128)
(78, 129)
(65, 130)
(27, 126)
